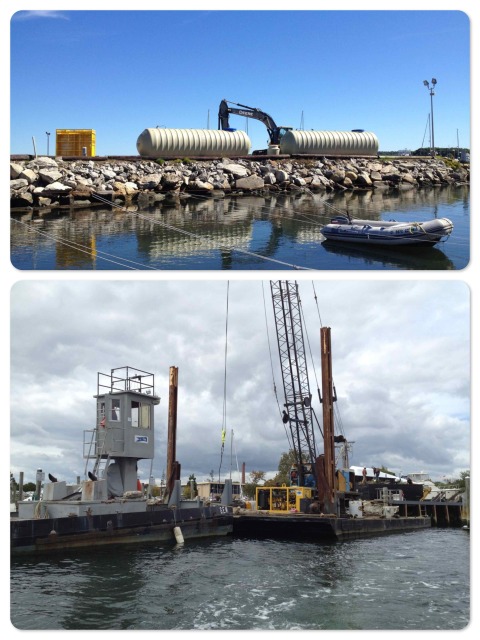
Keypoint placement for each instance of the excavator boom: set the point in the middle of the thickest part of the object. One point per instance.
(275, 133)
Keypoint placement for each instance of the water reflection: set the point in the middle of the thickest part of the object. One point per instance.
(406, 258)
(234, 232)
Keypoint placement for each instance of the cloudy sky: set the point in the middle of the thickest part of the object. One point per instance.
(401, 367)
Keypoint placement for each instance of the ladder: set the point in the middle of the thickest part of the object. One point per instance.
(101, 462)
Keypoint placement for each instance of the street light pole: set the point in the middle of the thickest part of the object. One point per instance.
(432, 93)
(48, 142)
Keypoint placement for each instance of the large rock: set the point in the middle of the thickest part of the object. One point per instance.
(28, 175)
(125, 188)
(282, 176)
(363, 180)
(47, 176)
(338, 175)
(269, 178)
(43, 162)
(171, 181)
(82, 191)
(56, 189)
(130, 188)
(199, 185)
(15, 170)
(237, 170)
(24, 199)
(317, 183)
(250, 184)
(19, 183)
(150, 181)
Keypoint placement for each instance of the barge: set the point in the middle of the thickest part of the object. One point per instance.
(91, 524)
(110, 505)
(320, 527)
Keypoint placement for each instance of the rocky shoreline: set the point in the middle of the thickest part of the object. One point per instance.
(47, 182)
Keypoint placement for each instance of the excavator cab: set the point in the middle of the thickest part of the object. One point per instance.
(282, 131)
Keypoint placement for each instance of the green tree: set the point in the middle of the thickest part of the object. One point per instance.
(458, 483)
(384, 469)
(188, 492)
(249, 488)
(287, 460)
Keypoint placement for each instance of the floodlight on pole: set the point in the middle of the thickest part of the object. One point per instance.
(432, 93)
(48, 142)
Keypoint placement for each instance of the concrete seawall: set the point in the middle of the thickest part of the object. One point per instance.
(46, 182)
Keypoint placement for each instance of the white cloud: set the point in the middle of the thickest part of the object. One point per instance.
(33, 15)
(401, 365)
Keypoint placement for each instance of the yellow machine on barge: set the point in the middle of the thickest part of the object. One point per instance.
(320, 501)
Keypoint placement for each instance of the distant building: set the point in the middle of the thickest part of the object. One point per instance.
(212, 490)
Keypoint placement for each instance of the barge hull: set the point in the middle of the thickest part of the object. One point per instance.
(321, 528)
(51, 534)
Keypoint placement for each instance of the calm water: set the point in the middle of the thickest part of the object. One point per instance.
(417, 580)
(281, 232)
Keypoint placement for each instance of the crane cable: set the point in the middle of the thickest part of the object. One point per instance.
(85, 249)
(338, 418)
(101, 254)
(273, 375)
(198, 237)
(224, 415)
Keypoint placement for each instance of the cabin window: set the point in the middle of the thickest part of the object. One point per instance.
(101, 413)
(115, 412)
(140, 414)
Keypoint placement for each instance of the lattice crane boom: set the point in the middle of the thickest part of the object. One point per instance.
(291, 347)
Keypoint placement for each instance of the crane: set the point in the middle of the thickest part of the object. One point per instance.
(298, 412)
(275, 132)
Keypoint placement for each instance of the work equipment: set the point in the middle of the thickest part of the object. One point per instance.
(298, 399)
(317, 471)
(275, 132)
(75, 142)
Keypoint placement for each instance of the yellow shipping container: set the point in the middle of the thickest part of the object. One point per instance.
(75, 142)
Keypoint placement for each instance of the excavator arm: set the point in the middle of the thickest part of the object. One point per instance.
(274, 132)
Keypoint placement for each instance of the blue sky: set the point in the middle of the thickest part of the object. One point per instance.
(119, 72)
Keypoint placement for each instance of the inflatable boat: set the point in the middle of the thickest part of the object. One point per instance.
(388, 233)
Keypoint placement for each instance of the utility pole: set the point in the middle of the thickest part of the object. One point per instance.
(172, 464)
(328, 426)
(432, 93)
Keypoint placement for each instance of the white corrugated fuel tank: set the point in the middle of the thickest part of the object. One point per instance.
(330, 143)
(182, 143)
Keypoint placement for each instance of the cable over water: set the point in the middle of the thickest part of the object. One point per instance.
(281, 231)
(198, 237)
